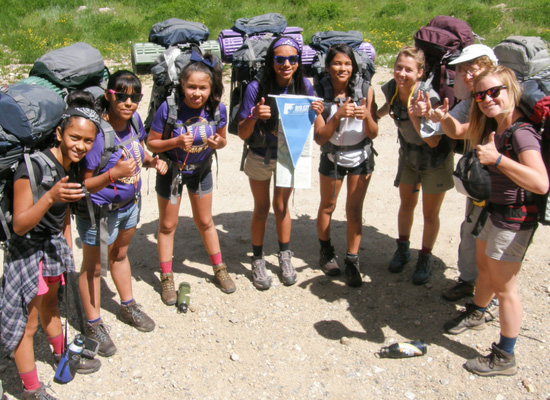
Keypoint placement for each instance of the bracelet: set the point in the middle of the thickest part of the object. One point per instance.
(251, 115)
(498, 160)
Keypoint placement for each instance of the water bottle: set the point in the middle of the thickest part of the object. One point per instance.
(66, 369)
(182, 303)
(404, 350)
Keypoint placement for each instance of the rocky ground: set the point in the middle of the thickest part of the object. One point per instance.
(319, 338)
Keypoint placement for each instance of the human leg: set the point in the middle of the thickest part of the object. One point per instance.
(283, 224)
(260, 193)
(24, 352)
(405, 218)
(329, 190)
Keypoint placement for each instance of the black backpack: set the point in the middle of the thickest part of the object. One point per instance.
(442, 41)
(178, 31)
(29, 115)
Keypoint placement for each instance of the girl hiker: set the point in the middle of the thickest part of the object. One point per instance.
(344, 131)
(188, 147)
(39, 251)
(511, 148)
(422, 162)
(259, 125)
(115, 189)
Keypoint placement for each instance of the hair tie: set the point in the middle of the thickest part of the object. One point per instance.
(82, 112)
(287, 41)
(197, 57)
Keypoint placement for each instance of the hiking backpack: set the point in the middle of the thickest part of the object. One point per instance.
(442, 41)
(74, 67)
(175, 31)
(527, 56)
(321, 42)
(267, 23)
(29, 115)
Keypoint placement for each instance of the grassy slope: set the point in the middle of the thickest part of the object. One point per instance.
(41, 25)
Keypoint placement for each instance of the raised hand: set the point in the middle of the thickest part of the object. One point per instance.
(347, 109)
(437, 114)
(361, 110)
(318, 106)
(488, 153)
(124, 167)
(159, 165)
(418, 105)
(66, 192)
(261, 110)
(216, 142)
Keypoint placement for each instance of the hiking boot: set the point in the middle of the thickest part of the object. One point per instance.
(460, 290)
(38, 394)
(134, 316)
(328, 262)
(86, 365)
(353, 275)
(492, 310)
(423, 269)
(100, 333)
(168, 294)
(260, 278)
(401, 257)
(470, 318)
(223, 279)
(288, 271)
(498, 362)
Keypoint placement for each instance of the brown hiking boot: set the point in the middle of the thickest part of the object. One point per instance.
(224, 280)
(328, 261)
(85, 366)
(168, 295)
(133, 315)
(460, 290)
(498, 362)
(100, 333)
(470, 318)
(38, 394)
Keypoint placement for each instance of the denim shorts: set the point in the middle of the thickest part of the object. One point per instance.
(116, 221)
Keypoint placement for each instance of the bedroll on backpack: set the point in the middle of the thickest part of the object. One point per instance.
(178, 31)
(74, 67)
(29, 115)
(442, 41)
(248, 61)
(267, 23)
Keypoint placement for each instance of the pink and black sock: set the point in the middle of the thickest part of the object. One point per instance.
(58, 343)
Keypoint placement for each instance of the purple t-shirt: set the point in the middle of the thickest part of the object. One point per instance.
(126, 188)
(187, 116)
(503, 189)
(249, 101)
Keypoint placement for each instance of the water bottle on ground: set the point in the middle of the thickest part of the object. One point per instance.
(404, 350)
(66, 369)
(182, 302)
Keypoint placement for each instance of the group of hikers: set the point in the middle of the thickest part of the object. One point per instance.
(345, 128)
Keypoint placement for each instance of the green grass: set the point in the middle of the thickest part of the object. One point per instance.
(32, 27)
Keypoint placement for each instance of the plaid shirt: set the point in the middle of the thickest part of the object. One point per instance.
(20, 280)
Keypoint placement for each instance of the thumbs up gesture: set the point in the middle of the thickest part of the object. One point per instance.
(488, 153)
(361, 110)
(261, 110)
(347, 109)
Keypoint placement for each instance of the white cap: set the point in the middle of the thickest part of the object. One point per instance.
(473, 52)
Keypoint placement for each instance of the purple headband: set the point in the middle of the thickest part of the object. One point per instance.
(286, 41)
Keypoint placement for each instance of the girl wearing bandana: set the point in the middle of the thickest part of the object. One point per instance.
(188, 147)
(39, 251)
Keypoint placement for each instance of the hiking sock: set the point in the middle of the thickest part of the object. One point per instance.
(325, 243)
(403, 238)
(166, 267)
(284, 246)
(425, 250)
(351, 256)
(58, 343)
(126, 302)
(93, 321)
(507, 344)
(476, 307)
(216, 259)
(257, 251)
(30, 379)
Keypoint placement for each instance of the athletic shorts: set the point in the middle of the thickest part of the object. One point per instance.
(433, 181)
(505, 244)
(116, 221)
(44, 281)
(202, 178)
(326, 168)
(255, 168)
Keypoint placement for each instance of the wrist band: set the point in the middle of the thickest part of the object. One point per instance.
(251, 115)
(498, 160)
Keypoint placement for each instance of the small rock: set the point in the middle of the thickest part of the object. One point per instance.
(417, 323)
(235, 357)
(81, 8)
(233, 320)
(377, 370)
(528, 386)
(410, 395)
(547, 289)
(444, 382)
(345, 341)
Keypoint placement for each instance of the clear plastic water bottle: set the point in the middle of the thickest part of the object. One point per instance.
(182, 302)
(66, 369)
(404, 350)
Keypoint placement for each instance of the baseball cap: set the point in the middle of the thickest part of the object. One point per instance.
(474, 51)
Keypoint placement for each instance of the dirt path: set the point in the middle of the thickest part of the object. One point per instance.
(318, 338)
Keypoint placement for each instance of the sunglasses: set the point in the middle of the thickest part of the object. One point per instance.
(493, 92)
(122, 97)
(280, 60)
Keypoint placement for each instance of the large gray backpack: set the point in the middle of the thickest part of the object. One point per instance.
(175, 31)
(77, 66)
(525, 55)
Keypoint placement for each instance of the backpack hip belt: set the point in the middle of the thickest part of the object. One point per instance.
(515, 212)
(330, 147)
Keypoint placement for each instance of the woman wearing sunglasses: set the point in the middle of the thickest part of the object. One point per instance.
(422, 162)
(259, 126)
(115, 193)
(344, 131)
(495, 124)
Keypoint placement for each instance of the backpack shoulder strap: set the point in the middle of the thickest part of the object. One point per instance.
(508, 147)
(47, 169)
(110, 147)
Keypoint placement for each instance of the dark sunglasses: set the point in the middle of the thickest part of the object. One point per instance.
(493, 92)
(280, 60)
(122, 97)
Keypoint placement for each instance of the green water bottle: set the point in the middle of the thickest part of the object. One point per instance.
(182, 303)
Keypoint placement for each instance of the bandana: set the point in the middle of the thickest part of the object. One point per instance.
(197, 57)
(287, 41)
(87, 113)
